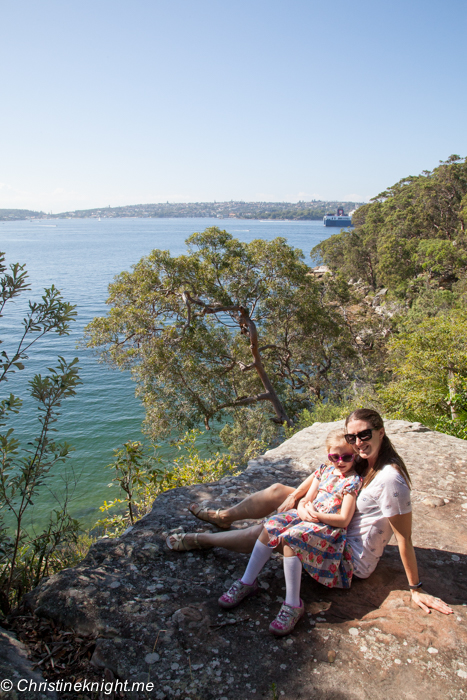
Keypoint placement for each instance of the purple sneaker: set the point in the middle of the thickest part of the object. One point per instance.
(286, 619)
(236, 593)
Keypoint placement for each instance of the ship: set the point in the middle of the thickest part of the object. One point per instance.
(340, 219)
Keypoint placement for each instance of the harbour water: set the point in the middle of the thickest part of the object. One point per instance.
(81, 257)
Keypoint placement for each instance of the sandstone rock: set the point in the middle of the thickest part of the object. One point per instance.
(163, 619)
(320, 271)
(16, 668)
(433, 502)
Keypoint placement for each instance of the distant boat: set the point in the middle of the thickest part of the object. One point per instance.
(340, 219)
(99, 219)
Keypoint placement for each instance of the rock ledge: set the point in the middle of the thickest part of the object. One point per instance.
(156, 617)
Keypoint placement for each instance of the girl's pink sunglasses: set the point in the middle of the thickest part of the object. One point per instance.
(341, 458)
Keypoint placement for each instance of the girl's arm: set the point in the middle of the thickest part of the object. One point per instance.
(341, 519)
(402, 528)
(293, 497)
(312, 492)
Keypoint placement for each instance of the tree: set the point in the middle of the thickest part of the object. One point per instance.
(229, 325)
(397, 233)
(25, 557)
(429, 369)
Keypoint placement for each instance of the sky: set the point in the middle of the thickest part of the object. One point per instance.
(112, 102)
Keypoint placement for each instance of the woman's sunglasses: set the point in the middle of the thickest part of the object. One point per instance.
(341, 458)
(363, 435)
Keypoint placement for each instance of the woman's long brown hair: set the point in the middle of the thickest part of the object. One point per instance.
(387, 453)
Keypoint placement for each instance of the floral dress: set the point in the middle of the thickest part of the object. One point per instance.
(323, 550)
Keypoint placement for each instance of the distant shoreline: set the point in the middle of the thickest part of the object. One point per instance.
(258, 211)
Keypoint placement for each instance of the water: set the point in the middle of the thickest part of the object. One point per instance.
(81, 257)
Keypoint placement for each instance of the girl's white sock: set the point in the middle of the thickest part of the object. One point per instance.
(293, 579)
(259, 556)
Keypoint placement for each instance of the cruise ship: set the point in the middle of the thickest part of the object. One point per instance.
(342, 220)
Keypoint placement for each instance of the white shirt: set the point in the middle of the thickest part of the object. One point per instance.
(369, 530)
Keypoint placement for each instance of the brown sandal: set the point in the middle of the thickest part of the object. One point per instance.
(180, 544)
(202, 514)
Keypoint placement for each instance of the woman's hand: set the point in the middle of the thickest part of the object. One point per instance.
(288, 504)
(426, 601)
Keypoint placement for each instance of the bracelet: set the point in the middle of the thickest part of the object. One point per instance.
(417, 585)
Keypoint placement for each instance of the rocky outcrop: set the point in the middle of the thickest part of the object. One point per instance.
(155, 615)
(17, 676)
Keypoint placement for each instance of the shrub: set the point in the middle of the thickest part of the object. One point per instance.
(142, 479)
(25, 557)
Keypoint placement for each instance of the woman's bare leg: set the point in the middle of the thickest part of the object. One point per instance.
(236, 540)
(253, 507)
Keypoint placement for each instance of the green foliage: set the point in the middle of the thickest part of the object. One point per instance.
(416, 227)
(36, 556)
(228, 326)
(458, 428)
(412, 240)
(440, 257)
(320, 413)
(190, 468)
(26, 557)
(330, 412)
(250, 435)
(429, 369)
(143, 478)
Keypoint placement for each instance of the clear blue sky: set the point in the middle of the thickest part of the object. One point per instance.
(124, 102)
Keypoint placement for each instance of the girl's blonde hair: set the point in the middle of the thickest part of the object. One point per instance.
(333, 437)
(337, 435)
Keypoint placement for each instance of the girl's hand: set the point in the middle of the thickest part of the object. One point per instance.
(288, 504)
(312, 513)
(426, 601)
(303, 512)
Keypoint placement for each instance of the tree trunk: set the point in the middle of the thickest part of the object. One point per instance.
(249, 328)
(452, 393)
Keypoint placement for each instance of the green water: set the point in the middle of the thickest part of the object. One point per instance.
(81, 258)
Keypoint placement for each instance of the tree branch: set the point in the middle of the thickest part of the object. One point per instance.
(246, 401)
(246, 368)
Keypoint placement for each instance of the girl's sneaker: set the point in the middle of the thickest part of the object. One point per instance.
(286, 619)
(236, 593)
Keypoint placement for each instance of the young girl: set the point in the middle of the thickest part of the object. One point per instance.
(312, 535)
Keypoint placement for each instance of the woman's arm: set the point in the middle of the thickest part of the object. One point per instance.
(402, 528)
(291, 500)
(341, 519)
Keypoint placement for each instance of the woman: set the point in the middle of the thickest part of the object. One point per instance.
(383, 507)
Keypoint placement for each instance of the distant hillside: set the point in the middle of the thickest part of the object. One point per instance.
(313, 210)
(222, 210)
(15, 214)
